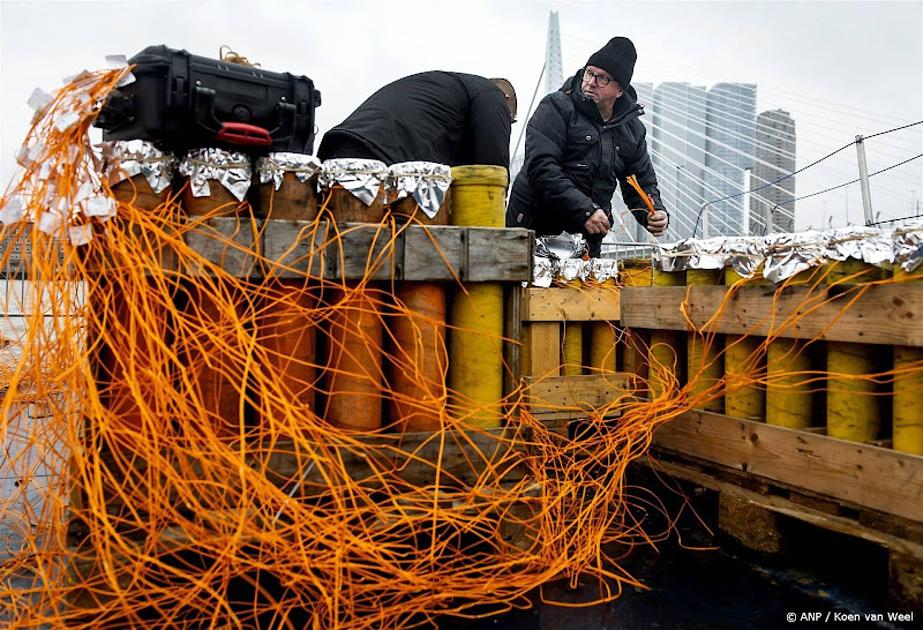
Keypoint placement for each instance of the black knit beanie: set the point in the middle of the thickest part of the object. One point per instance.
(617, 58)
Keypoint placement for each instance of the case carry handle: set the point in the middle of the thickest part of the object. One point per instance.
(244, 135)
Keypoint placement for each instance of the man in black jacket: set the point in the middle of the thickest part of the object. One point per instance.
(444, 117)
(580, 142)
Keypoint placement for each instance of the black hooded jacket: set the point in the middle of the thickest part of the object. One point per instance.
(574, 160)
(445, 117)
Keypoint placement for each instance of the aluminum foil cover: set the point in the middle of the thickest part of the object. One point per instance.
(127, 158)
(362, 178)
(908, 247)
(744, 254)
(708, 253)
(790, 254)
(561, 247)
(229, 168)
(871, 245)
(274, 166)
(603, 269)
(674, 256)
(573, 269)
(542, 272)
(426, 182)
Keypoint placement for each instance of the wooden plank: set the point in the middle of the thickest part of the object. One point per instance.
(788, 507)
(434, 252)
(417, 458)
(231, 243)
(512, 333)
(867, 476)
(498, 255)
(542, 349)
(576, 394)
(882, 314)
(367, 251)
(292, 249)
(418, 253)
(571, 304)
(455, 458)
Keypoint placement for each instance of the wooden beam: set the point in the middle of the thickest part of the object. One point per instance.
(882, 314)
(512, 333)
(558, 304)
(575, 395)
(368, 251)
(788, 507)
(416, 458)
(435, 253)
(228, 243)
(289, 248)
(867, 476)
(497, 254)
(421, 253)
(541, 344)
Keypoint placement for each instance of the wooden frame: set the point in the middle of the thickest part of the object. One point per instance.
(353, 251)
(881, 314)
(861, 474)
(571, 304)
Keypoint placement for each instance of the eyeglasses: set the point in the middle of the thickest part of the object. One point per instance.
(601, 79)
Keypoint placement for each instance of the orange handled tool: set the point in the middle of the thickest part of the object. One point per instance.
(648, 200)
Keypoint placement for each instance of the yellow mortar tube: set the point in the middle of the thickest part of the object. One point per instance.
(908, 389)
(572, 340)
(853, 410)
(666, 345)
(788, 397)
(572, 348)
(635, 273)
(475, 374)
(603, 351)
(705, 363)
(741, 364)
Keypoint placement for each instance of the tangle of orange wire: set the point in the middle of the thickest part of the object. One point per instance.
(191, 480)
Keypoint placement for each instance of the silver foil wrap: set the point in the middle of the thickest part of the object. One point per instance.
(362, 178)
(744, 254)
(559, 259)
(228, 168)
(603, 269)
(126, 158)
(674, 256)
(707, 253)
(861, 243)
(571, 270)
(274, 166)
(789, 254)
(560, 247)
(426, 182)
(542, 272)
(908, 247)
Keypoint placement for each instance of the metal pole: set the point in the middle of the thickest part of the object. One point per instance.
(768, 218)
(745, 219)
(864, 180)
(704, 221)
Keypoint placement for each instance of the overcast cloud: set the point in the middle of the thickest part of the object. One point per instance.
(840, 68)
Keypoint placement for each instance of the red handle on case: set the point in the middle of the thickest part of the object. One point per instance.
(244, 134)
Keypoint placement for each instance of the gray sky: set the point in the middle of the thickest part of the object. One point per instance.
(840, 68)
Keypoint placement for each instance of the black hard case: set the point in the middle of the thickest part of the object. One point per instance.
(182, 101)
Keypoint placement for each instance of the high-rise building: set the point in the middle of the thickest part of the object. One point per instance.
(730, 120)
(678, 152)
(772, 208)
